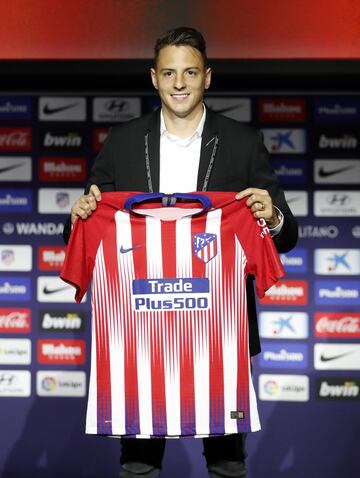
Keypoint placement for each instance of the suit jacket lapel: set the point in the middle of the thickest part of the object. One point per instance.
(209, 136)
(153, 139)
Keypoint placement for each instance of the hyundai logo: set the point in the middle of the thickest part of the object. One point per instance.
(338, 199)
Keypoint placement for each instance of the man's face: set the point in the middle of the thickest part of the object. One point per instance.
(180, 77)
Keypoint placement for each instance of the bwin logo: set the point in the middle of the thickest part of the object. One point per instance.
(117, 106)
(338, 200)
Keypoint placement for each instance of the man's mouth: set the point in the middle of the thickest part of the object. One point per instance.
(180, 96)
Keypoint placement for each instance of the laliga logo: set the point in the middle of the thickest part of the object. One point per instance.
(49, 384)
(271, 387)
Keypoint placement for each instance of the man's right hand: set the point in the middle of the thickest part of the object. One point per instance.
(86, 204)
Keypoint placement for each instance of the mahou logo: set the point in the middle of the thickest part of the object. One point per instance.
(287, 292)
(282, 109)
(15, 139)
(51, 258)
(62, 169)
(15, 321)
(61, 351)
(99, 137)
(337, 324)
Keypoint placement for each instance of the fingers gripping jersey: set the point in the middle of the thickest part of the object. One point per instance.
(170, 352)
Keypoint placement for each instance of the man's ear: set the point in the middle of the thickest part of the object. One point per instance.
(207, 78)
(153, 78)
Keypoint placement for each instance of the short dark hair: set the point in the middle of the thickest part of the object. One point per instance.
(181, 36)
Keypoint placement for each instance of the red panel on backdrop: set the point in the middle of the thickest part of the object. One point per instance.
(116, 29)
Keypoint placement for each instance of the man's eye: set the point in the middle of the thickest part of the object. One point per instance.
(191, 72)
(167, 73)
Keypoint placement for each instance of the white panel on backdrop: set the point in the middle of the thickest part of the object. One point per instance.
(62, 108)
(115, 109)
(337, 171)
(285, 141)
(15, 351)
(15, 168)
(337, 261)
(337, 356)
(284, 325)
(233, 107)
(337, 203)
(15, 383)
(288, 388)
(15, 258)
(60, 383)
(57, 201)
(53, 289)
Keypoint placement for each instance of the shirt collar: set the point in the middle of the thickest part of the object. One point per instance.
(183, 141)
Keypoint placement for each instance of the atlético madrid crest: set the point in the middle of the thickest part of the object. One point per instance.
(205, 246)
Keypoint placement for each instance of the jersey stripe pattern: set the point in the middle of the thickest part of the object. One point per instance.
(170, 352)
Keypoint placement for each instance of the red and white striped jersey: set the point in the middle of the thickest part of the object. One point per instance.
(170, 352)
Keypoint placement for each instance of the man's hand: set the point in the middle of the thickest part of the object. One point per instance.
(86, 204)
(260, 203)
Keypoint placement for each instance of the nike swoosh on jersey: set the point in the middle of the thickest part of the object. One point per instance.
(53, 291)
(124, 250)
(324, 358)
(50, 111)
(324, 174)
(10, 168)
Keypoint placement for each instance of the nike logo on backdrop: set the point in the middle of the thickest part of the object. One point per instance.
(324, 174)
(53, 291)
(10, 168)
(124, 250)
(325, 358)
(227, 109)
(50, 111)
(291, 200)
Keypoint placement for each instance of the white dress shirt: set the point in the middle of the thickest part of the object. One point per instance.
(179, 159)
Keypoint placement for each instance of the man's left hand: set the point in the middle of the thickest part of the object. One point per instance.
(261, 205)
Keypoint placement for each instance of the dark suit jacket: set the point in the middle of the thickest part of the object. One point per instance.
(129, 161)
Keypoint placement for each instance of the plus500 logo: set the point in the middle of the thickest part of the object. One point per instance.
(170, 294)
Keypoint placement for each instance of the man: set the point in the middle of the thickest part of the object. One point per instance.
(186, 147)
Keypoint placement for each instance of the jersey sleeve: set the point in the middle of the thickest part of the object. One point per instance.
(262, 259)
(82, 248)
(77, 268)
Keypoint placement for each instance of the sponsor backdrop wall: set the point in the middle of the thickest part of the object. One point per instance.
(308, 374)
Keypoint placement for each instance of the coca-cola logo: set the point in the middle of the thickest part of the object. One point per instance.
(15, 139)
(337, 324)
(15, 321)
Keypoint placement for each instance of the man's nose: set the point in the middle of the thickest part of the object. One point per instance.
(179, 82)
